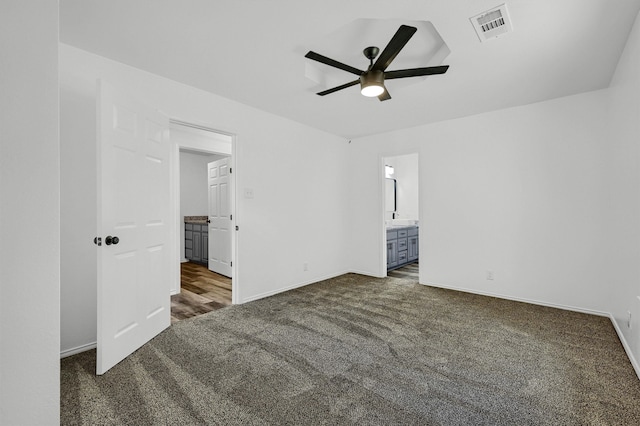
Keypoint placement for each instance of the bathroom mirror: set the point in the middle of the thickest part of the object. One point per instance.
(390, 195)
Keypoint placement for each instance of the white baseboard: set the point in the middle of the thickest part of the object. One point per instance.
(521, 299)
(77, 350)
(367, 273)
(625, 345)
(291, 287)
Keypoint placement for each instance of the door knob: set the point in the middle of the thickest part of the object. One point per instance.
(111, 240)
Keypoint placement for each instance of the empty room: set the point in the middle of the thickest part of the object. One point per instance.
(420, 212)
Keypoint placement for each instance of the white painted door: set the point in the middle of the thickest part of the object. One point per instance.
(219, 217)
(134, 206)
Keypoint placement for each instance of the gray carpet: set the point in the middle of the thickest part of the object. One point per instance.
(360, 350)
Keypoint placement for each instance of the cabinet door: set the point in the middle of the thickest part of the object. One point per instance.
(188, 241)
(392, 253)
(197, 246)
(402, 244)
(205, 246)
(413, 248)
(402, 257)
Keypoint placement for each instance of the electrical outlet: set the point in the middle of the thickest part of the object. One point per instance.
(490, 275)
(629, 319)
(305, 266)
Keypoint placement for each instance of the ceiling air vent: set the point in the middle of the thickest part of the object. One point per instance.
(492, 23)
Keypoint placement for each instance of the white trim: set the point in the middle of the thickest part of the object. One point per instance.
(368, 274)
(291, 287)
(521, 299)
(382, 216)
(198, 126)
(78, 349)
(233, 181)
(175, 187)
(625, 345)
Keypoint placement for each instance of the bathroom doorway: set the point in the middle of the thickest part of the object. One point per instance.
(402, 216)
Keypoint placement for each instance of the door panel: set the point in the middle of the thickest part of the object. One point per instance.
(219, 217)
(134, 205)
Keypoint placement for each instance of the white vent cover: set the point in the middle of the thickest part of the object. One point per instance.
(492, 23)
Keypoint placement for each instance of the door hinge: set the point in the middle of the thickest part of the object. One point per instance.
(230, 217)
(231, 264)
(237, 228)
(230, 169)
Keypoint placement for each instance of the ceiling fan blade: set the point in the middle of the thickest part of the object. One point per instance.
(399, 40)
(328, 61)
(385, 95)
(335, 89)
(416, 72)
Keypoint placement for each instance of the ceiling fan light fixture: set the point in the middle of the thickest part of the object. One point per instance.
(372, 83)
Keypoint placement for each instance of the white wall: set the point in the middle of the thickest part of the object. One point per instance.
(78, 219)
(518, 191)
(622, 273)
(406, 175)
(193, 183)
(298, 176)
(193, 188)
(29, 214)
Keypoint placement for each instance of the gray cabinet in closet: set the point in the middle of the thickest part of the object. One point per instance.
(196, 242)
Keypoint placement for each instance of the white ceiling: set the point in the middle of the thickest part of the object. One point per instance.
(252, 51)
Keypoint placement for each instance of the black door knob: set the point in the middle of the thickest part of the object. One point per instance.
(111, 240)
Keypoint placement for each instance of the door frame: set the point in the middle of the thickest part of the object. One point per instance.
(382, 207)
(175, 189)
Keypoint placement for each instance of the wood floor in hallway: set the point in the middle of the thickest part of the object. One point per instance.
(409, 272)
(202, 291)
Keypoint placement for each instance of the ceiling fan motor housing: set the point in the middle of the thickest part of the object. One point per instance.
(372, 83)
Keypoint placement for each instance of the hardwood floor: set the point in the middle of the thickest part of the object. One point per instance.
(408, 272)
(202, 291)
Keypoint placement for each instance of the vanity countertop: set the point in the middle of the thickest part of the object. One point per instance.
(396, 227)
(196, 219)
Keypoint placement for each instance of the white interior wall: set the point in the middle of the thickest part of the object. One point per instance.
(193, 188)
(622, 274)
(518, 191)
(298, 176)
(29, 214)
(78, 220)
(406, 175)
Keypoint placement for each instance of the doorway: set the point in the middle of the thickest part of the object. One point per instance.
(201, 286)
(401, 216)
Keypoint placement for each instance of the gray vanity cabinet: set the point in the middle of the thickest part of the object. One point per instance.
(392, 249)
(412, 242)
(402, 246)
(196, 242)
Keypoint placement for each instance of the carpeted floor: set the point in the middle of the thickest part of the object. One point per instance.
(361, 350)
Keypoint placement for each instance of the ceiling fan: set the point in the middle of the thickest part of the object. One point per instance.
(372, 80)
